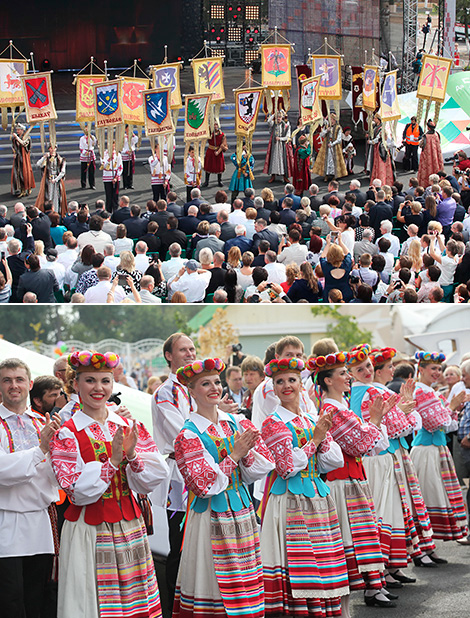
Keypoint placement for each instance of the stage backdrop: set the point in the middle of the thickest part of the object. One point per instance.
(350, 26)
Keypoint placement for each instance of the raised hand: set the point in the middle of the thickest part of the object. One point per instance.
(407, 389)
(227, 405)
(376, 411)
(131, 435)
(244, 442)
(322, 427)
(117, 445)
(123, 412)
(52, 425)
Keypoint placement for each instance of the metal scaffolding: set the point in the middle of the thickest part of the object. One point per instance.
(410, 40)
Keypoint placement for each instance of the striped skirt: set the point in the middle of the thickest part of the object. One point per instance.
(441, 491)
(220, 571)
(304, 566)
(360, 534)
(107, 571)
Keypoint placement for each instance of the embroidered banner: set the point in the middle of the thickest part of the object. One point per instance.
(107, 102)
(275, 66)
(329, 67)
(310, 109)
(11, 93)
(433, 78)
(208, 77)
(247, 104)
(370, 79)
(84, 106)
(157, 111)
(389, 108)
(304, 71)
(357, 84)
(132, 101)
(196, 117)
(168, 76)
(38, 97)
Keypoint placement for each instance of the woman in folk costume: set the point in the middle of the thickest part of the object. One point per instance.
(378, 159)
(349, 487)
(192, 173)
(402, 421)
(214, 162)
(431, 457)
(100, 459)
(430, 161)
(160, 172)
(349, 150)
(22, 178)
(301, 176)
(242, 177)
(279, 157)
(305, 572)
(218, 455)
(398, 536)
(52, 186)
(330, 161)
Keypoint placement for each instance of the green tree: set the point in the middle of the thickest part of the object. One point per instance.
(344, 329)
(19, 324)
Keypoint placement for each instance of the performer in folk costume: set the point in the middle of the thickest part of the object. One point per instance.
(398, 536)
(349, 487)
(279, 158)
(431, 457)
(402, 421)
(22, 177)
(100, 459)
(87, 158)
(192, 173)
(349, 150)
(112, 170)
(214, 162)
(330, 161)
(378, 159)
(412, 135)
(128, 158)
(52, 186)
(301, 176)
(161, 173)
(304, 565)
(242, 177)
(430, 161)
(218, 455)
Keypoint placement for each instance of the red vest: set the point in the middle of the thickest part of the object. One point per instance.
(117, 502)
(352, 469)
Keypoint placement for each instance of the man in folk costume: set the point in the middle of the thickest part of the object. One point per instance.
(412, 135)
(161, 173)
(430, 161)
(87, 158)
(112, 170)
(301, 178)
(22, 178)
(349, 150)
(378, 159)
(52, 186)
(242, 177)
(214, 162)
(279, 158)
(330, 161)
(192, 173)
(128, 158)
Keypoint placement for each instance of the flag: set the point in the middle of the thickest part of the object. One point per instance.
(157, 111)
(329, 67)
(304, 71)
(247, 104)
(433, 78)
(107, 101)
(208, 77)
(389, 109)
(310, 109)
(196, 118)
(84, 106)
(275, 66)
(11, 92)
(357, 83)
(168, 76)
(132, 102)
(38, 97)
(370, 79)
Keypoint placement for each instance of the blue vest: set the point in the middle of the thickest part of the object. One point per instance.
(427, 438)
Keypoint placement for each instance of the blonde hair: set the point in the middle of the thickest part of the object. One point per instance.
(127, 261)
(247, 258)
(250, 213)
(416, 208)
(388, 192)
(414, 252)
(335, 256)
(435, 225)
(292, 272)
(38, 247)
(267, 194)
(234, 256)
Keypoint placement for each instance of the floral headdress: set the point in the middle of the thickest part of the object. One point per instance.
(380, 356)
(283, 364)
(358, 354)
(187, 373)
(325, 363)
(93, 361)
(430, 357)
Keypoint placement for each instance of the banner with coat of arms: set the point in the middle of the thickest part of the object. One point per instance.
(389, 108)
(158, 112)
(369, 83)
(329, 67)
(433, 78)
(38, 98)
(132, 99)
(84, 106)
(196, 117)
(107, 102)
(208, 77)
(168, 76)
(276, 66)
(247, 104)
(11, 92)
(310, 108)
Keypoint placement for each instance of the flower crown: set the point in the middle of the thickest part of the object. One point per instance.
(325, 363)
(283, 364)
(430, 357)
(358, 354)
(209, 365)
(93, 361)
(380, 356)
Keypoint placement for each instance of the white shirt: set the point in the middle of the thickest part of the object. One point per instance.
(172, 266)
(295, 253)
(160, 172)
(123, 244)
(27, 488)
(276, 272)
(148, 298)
(394, 243)
(87, 148)
(68, 257)
(191, 174)
(192, 285)
(141, 262)
(98, 239)
(58, 270)
(112, 166)
(237, 217)
(112, 262)
(98, 293)
(265, 402)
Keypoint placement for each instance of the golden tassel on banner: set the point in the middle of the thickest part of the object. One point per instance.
(437, 110)
(5, 119)
(419, 113)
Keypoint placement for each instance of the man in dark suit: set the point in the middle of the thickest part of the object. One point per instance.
(248, 200)
(81, 223)
(355, 189)
(3, 216)
(240, 241)
(123, 212)
(172, 207)
(262, 250)
(315, 200)
(227, 229)
(287, 214)
(333, 187)
(397, 200)
(161, 216)
(234, 388)
(261, 211)
(16, 259)
(289, 192)
(196, 200)
(379, 212)
(170, 235)
(188, 224)
(20, 214)
(205, 213)
(135, 226)
(217, 279)
(41, 227)
(261, 233)
(153, 241)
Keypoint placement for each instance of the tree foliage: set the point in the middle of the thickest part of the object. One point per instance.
(344, 329)
(214, 338)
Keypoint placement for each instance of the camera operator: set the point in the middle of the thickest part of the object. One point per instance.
(461, 163)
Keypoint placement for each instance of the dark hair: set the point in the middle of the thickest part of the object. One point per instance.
(405, 275)
(87, 252)
(294, 235)
(378, 263)
(54, 218)
(230, 285)
(154, 272)
(364, 293)
(321, 378)
(403, 371)
(315, 244)
(410, 296)
(275, 217)
(41, 385)
(96, 223)
(97, 259)
(434, 272)
(172, 223)
(220, 197)
(384, 244)
(121, 231)
(364, 220)
(263, 246)
(168, 345)
(307, 273)
(33, 262)
(259, 274)
(82, 216)
(135, 210)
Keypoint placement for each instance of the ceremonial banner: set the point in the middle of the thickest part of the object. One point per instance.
(158, 111)
(275, 66)
(84, 107)
(132, 101)
(208, 77)
(304, 71)
(107, 102)
(329, 67)
(11, 93)
(433, 78)
(196, 117)
(168, 76)
(247, 104)
(310, 109)
(357, 75)
(389, 109)
(370, 80)
(38, 98)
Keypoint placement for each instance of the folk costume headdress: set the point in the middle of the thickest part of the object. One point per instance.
(379, 356)
(334, 360)
(426, 358)
(199, 368)
(93, 361)
(358, 354)
(284, 365)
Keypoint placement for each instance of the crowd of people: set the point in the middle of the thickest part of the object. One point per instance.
(320, 445)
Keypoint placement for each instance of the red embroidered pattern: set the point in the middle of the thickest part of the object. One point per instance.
(196, 471)
(396, 421)
(260, 446)
(64, 456)
(434, 414)
(354, 438)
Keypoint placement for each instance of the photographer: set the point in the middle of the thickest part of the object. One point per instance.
(461, 162)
